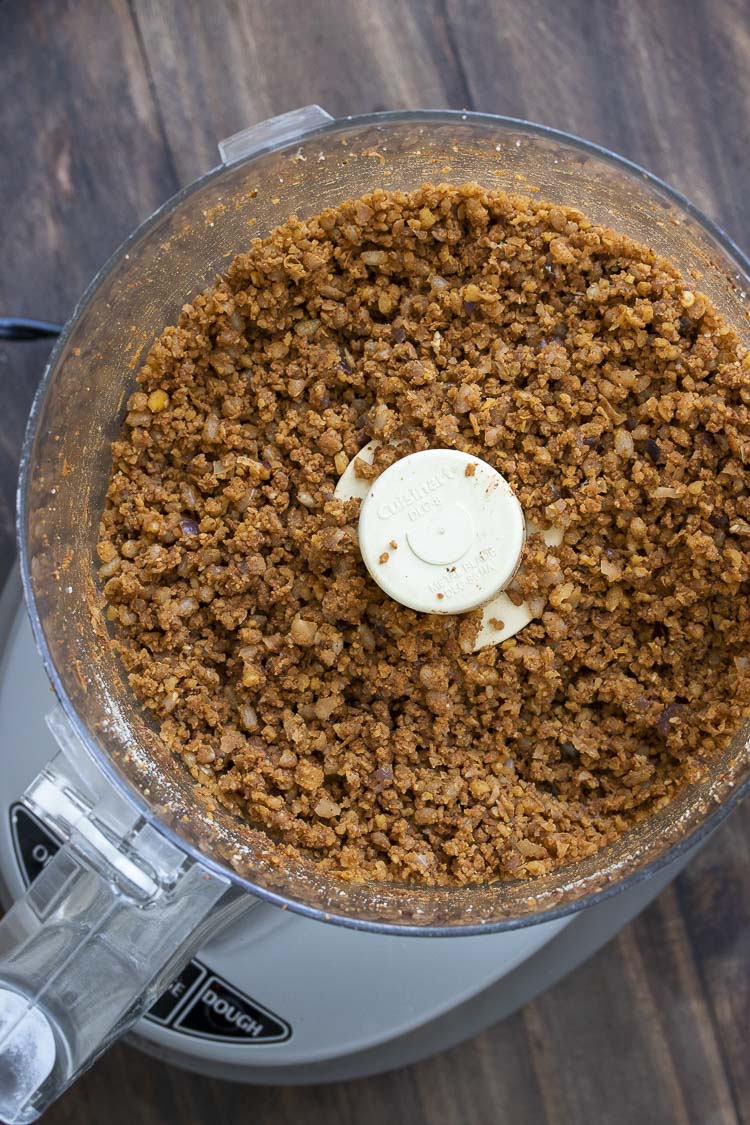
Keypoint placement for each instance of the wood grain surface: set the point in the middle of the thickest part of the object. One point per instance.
(106, 108)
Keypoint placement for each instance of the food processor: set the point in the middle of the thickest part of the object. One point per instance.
(139, 906)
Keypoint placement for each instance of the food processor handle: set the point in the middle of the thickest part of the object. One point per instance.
(99, 934)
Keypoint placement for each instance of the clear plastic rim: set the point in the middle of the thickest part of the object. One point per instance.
(693, 837)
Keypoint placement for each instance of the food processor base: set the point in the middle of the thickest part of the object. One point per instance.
(281, 998)
(578, 941)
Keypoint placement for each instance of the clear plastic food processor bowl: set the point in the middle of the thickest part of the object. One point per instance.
(149, 868)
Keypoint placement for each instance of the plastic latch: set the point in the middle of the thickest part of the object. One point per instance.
(73, 796)
(272, 133)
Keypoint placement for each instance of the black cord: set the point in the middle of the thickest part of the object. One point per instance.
(21, 328)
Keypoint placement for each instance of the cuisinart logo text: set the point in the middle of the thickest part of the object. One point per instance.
(419, 500)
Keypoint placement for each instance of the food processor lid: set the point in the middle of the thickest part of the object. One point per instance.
(77, 411)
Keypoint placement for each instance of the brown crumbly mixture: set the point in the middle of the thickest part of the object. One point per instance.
(363, 735)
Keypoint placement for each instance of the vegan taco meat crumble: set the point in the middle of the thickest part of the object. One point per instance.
(369, 738)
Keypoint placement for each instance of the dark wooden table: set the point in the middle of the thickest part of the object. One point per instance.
(106, 108)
